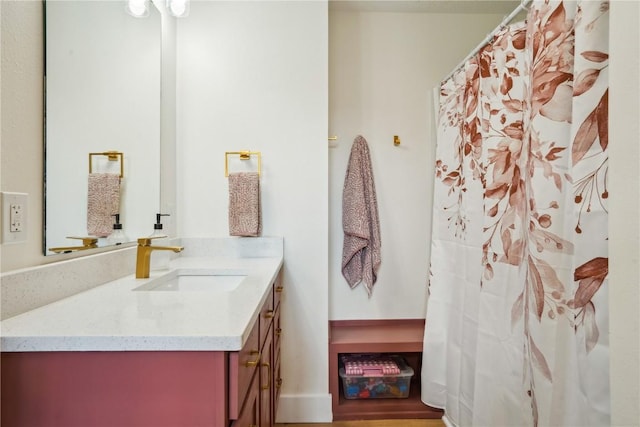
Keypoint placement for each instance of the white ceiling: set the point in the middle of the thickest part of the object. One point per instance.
(426, 6)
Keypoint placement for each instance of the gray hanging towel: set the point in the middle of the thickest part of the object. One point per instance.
(360, 222)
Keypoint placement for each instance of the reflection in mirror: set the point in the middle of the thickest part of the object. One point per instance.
(102, 94)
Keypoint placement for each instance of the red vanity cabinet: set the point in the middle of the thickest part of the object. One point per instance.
(144, 388)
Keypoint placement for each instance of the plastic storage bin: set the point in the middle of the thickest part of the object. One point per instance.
(375, 377)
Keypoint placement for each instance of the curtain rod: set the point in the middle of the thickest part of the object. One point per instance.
(523, 5)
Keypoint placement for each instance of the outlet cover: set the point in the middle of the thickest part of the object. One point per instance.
(14, 217)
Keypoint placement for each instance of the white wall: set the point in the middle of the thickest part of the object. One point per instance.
(382, 69)
(624, 212)
(253, 75)
(22, 122)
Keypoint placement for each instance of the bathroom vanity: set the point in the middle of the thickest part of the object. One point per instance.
(198, 345)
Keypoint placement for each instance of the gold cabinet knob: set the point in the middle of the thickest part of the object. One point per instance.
(252, 363)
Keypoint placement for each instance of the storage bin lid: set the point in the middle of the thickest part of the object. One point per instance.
(369, 366)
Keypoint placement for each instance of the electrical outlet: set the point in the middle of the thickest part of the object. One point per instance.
(14, 217)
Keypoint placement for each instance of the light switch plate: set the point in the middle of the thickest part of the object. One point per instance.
(14, 217)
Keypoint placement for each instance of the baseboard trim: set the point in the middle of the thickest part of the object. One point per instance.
(304, 408)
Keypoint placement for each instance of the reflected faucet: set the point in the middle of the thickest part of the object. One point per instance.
(87, 243)
(143, 257)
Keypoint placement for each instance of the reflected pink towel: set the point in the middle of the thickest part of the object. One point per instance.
(360, 223)
(103, 201)
(244, 204)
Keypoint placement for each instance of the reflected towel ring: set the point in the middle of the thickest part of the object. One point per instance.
(113, 156)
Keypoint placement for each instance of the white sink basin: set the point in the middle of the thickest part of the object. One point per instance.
(195, 281)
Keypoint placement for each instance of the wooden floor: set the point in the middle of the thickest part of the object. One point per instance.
(376, 423)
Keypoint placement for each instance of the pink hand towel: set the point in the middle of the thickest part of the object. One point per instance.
(103, 200)
(360, 223)
(244, 204)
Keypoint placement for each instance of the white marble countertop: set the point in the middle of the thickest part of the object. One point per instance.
(114, 317)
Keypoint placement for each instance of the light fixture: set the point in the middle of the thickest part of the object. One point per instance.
(138, 8)
(178, 8)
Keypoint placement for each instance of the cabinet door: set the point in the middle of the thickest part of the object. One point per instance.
(266, 382)
(277, 386)
(250, 414)
(277, 378)
(243, 365)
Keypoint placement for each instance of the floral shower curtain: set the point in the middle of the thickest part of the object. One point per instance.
(517, 317)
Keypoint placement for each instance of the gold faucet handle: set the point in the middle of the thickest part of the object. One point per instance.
(146, 241)
(86, 241)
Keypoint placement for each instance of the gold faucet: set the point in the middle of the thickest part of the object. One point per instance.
(87, 243)
(143, 257)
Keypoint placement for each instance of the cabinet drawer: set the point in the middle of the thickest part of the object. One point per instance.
(242, 365)
(266, 315)
(277, 291)
(277, 332)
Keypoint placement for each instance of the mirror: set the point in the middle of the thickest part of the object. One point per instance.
(102, 71)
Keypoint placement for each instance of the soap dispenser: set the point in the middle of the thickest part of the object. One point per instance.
(117, 236)
(159, 259)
